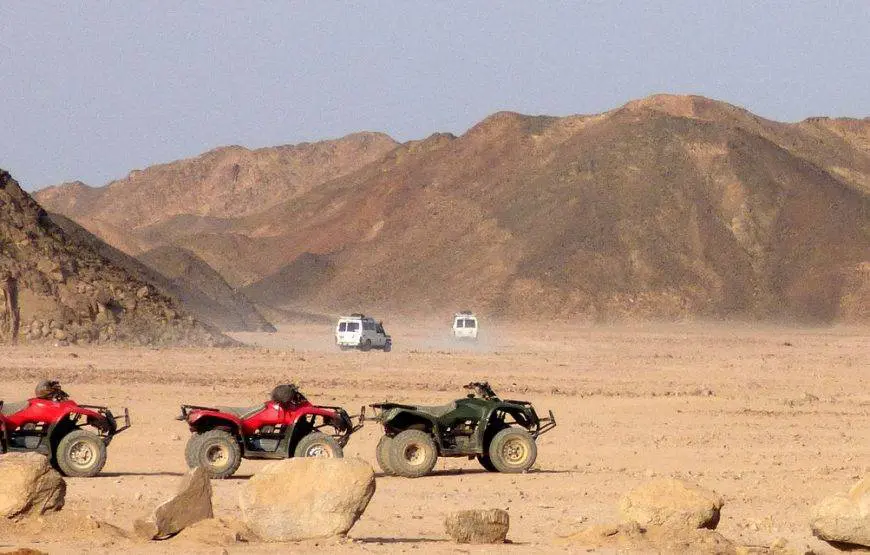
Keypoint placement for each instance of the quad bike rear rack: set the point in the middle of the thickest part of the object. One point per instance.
(187, 409)
(545, 425)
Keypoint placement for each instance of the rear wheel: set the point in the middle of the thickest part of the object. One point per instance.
(366, 345)
(388, 346)
(81, 454)
(413, 454)
(318, 445)
(382, 454)
(512, 450)
(191, 451)
(219, 453)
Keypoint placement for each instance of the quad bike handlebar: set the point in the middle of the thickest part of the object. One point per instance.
(483, 389)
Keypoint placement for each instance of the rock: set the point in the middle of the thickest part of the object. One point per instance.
(306, 498)
(142, 292)
(478, 526)
(844, 518)
(60, 335)
(191, 504)
(29, 486)
(215, 531)
(670, 502)
(632, 538)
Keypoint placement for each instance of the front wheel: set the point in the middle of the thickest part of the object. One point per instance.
(413, 454)
(388, 346)
(219, 453)
(81, 454)
(512, 450)
(318, 445)
(486, 463)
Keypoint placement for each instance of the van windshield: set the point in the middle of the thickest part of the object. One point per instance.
(342, 326)
(458, 323)
(352, 326)
(470, 323)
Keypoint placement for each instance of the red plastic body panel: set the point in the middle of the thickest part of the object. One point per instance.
(272, 414)
(49, 412)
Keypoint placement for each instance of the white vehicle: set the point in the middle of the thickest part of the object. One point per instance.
(465, 325)
(362, 332)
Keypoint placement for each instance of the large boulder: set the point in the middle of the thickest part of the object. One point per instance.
(478, 526)
(844, 518)
(191, 504)
(306, 498)
(29, 486)
(671, 503)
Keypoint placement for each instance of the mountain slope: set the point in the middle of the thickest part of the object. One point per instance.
(227, 182)
(204, 291)
(70, 292)
(670, 206)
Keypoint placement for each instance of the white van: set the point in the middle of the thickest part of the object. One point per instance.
(465, 325)
(362, 332)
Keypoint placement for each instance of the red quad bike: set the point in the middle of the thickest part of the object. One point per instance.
(74, 437)
(287, 425)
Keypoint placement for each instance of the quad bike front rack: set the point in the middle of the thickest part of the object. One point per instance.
(545, 425)
(107, 414)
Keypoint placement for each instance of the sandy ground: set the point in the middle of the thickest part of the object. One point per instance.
(772, 418)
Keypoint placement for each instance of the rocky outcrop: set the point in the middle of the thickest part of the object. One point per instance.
(306, 498)
(478, 526)
(29, 486)
(190, 505)
(844, 519)
(69, 293)
(672, 503)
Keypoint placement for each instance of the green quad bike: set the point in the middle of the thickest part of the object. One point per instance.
(501, 434)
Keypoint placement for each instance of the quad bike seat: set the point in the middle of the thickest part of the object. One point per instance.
(243, 412)
(439, 410)
(11, 408)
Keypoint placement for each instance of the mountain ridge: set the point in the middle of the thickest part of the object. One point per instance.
(670, 206)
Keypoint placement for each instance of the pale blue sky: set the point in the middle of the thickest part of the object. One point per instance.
(92, 90)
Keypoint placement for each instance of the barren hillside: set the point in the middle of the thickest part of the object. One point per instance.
(668, 207)
(69, 292)
(226, 182)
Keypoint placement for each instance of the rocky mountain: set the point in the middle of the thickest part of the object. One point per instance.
(181, 275)
(196, 195)
(667, 207)
(66, 291)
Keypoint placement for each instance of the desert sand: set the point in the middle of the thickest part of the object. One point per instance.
(772, 418)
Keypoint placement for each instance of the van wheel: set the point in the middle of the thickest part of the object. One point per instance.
(366, 345)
